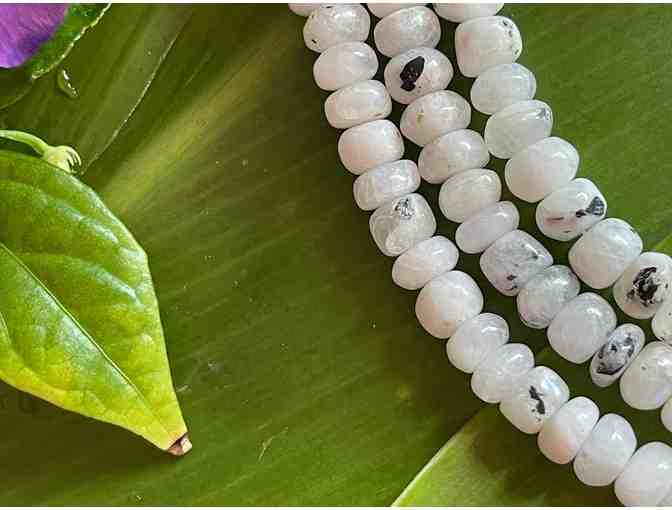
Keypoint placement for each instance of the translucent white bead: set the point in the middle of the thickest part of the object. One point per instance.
(647, 382)
(502, 86)
(611, 360)
(513, 260)
(485, 227)
(662, 322)
(401, 223)
(645, 285)
(647, 477)
(433, 115)
(356, 104)
(498, 374)
(517, 126)
(381, 10)
(303, 9)
(482, 43)
(603, 253)
(446, 302)
(333, 24)
(405, 29)
(571, 210)
(426, 260)
(536, 397)
(416, 73)
(452, 154)
(605, 453)
(581, 327)
(467, 193)
(541, 168)
(385, 182)
(345, 64)
(563, 434)
(369, 145)
(457, 13)
(666, 417)
(475, 339)
(545, 294)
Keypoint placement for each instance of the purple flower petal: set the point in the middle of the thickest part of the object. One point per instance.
(26, 27)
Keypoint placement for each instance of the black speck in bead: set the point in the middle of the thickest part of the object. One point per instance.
(511, 277)
(613, 356)
(404, 209)
(535, 395)
(644, 287)
(411, 72)
(596, 208)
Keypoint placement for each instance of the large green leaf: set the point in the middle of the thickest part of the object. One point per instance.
(300, 367)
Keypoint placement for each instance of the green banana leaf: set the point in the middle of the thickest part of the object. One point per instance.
(300, 368)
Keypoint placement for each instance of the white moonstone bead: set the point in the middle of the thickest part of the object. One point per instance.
(467, 193)
(541, 168)
(518, 126)
(666, 417)
(446, 302)
(405, 29)
(475, 339)
(416, 73)
(452, 154)
(401, 223)
(513, 260)
(571, 210)
(391, 180)
(482, 43)
(645, 285)
(647, 477)
(581, 327)
(431, 116)
(647, 382)
(458, 13)
(502, 86)
(611, 360)
(536, 397)
(345, 64)
(662, 322)
(369, 145)
(485, 227)
(425, 261)
(333, 24)
(563, 434)
(602, 254)
(303, 9)
(358, 103)
(605, 453)
(498, 374)
(545, 294)
(381, 10)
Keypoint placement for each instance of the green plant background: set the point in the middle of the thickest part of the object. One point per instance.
(301, 370)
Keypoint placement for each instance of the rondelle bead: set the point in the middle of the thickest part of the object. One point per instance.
(513, 260)
(563, 434)
(357, 104)
(581, 327)
(605, 453)
(446, 302)
(645, 285)
(611, 360)
(385, 182)
(662, 322)
(467, 193)
(475, 339)
(431, 116)
(571, 210)
(647, 383)
(369, 145)
(452, 154)
(482, 43)
(647, 477)
(502, 86)
(602, 254)
(416, 73)
(381, 10)
(333, 24)
(457, 13)
(666, 417)
(405, 29)
(426, 260)
(345, 64)
(401, 223)
(517, 126)
(485, 227)
(303, 9)
(541, 168)
(545, 294)
(536, 397)
(498, 374)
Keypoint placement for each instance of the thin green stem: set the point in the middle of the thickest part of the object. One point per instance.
(35, 143)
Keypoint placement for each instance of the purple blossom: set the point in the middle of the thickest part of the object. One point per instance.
(26, 27)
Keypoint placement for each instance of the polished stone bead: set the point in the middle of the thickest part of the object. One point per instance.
(333, 24)
(357, 104)
(385, 182)
(666, 416)
(502, 86)
(482, 43)
(303, 9)
(602, 254)
(431, 116)
(369, 145)
(446, 302)
(518, 126)
(662, 322)
(485, 227)
(345, 64)
(400, 224)
(475, 339)
(467, 193)
(647, 382)
(414, 268)
(611, 360)
(545, 294)
(452, 154)
(416, 73)
(405, 29)
(502, 369)
(458, 13)
(645, 285)
(647, 477)
(513, 260)
(381, 10)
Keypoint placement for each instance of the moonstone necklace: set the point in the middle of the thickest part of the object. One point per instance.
(540, 168)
